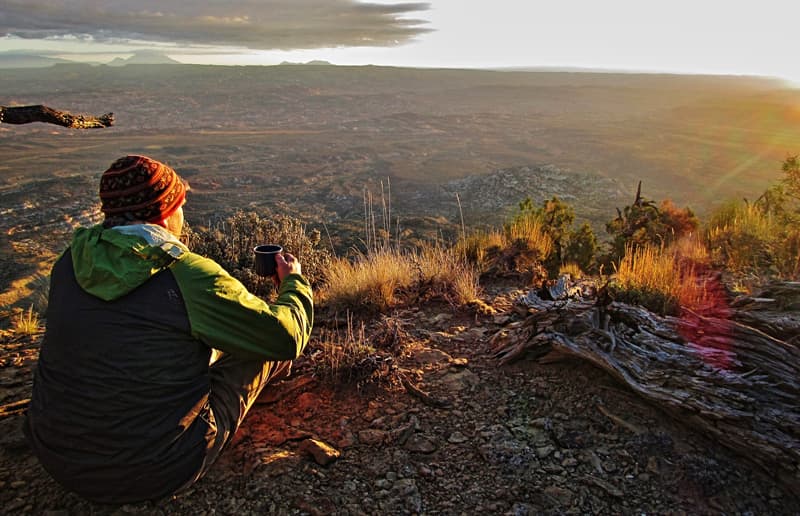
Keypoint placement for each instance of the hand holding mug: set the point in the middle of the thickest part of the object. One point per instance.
(286, 264)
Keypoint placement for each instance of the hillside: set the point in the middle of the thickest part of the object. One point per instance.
(467, 436)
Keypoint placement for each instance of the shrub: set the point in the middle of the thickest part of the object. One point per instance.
(230, 243)
(743, 238)
(645, 224)
(566, 244)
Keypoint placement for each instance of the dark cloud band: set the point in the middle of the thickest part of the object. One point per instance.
(264, 25)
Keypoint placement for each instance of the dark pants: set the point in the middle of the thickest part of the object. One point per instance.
(235, 385)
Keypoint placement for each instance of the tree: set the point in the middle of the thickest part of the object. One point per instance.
(644, 223)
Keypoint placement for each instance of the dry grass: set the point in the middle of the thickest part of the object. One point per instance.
(369, 281)
(345, 356)
(377, 281)
(522, 246)
(742, 238)
(661, 279)
(444, 272)
(477, 247)
(528, 233)
(25, 322)
(691, 248)
(572, 269)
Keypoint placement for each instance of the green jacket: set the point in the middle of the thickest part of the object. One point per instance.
(120, 405)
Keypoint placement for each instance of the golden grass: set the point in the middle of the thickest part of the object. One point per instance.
(661, 279)
(572, 269)
(692, 249)
(529, 233)
(369, 281)
(445, 272)
(475, 248)
(25, 322)
(742, 237)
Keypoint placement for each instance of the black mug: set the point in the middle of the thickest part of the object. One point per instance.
(265, 259)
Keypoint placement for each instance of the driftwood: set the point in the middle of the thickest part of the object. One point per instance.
(734, 375)
(28, 114)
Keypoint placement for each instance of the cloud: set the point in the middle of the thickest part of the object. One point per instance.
(255, 24)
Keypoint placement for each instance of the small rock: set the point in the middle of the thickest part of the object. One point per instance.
(553, 469)
(371, 436)
(347, 440)
(561, 495)
(459, 362)
(17, 484)
(421, 444)
(569, 462)
(440, 318)
(457, 438)
(544, 451)
(322, 453)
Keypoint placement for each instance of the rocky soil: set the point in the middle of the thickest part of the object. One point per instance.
(449, 431)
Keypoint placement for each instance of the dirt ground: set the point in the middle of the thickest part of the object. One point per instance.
(461, 436)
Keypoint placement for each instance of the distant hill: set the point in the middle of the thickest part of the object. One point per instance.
(315, 62)
(13, 59)
(144, 57)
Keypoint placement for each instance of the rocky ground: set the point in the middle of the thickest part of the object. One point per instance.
(448, 432)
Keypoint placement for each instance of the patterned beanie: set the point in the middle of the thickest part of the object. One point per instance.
(140, 188)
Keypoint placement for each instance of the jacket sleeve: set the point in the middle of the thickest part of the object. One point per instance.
(225, 316)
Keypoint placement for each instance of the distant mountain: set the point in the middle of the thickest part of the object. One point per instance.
(15, 59)
(315, 62)
(144, 57)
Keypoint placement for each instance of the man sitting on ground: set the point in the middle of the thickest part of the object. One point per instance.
(126, 403)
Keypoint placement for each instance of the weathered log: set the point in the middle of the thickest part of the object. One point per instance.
(736, 379)
(28, 114)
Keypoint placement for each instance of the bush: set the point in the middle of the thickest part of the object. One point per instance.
(744, 239)
(643, 224)
(230, 243)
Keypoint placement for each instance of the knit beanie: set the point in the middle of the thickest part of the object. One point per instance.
(140, 188)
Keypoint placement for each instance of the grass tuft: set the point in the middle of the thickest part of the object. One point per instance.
(368, 282)
(444, 273)
(660, 279)
(346, 357)
(25, 322)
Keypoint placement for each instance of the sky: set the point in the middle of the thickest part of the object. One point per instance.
(741, 37)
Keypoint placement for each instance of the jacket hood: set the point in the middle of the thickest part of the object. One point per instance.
(109, 263)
